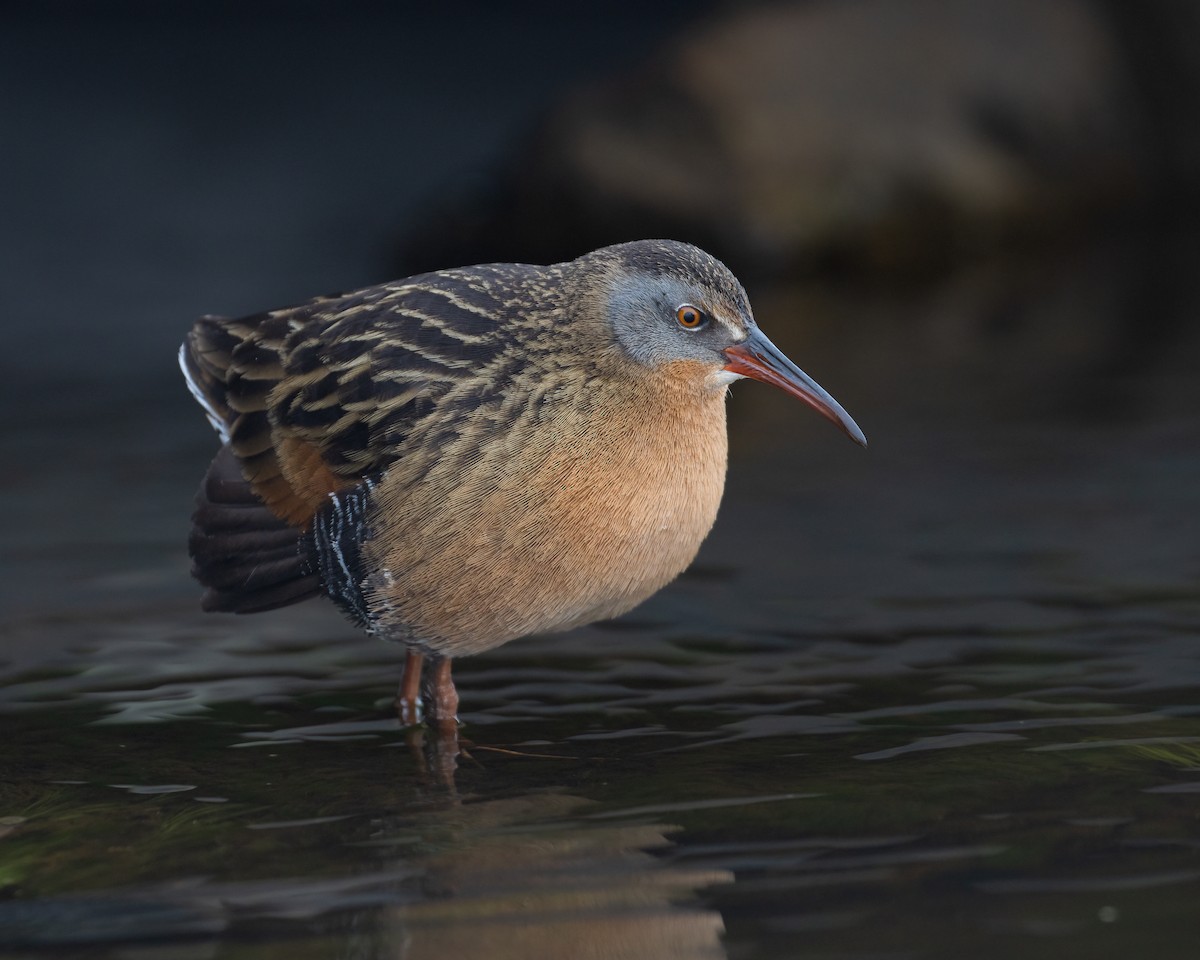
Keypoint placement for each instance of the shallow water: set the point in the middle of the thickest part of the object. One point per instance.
(935, 699)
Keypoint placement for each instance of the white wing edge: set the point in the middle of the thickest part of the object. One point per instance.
(214, 418)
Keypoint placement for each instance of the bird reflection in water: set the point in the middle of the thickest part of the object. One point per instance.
(536, 876)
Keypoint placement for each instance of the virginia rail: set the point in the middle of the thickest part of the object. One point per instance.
(468, 456)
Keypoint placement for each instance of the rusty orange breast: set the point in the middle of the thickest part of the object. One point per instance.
(578, 520)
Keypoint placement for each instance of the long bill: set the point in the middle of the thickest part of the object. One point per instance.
(758, 358)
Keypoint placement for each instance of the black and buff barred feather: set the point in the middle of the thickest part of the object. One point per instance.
(316, 399)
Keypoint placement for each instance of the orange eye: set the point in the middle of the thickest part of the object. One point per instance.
(690, 318)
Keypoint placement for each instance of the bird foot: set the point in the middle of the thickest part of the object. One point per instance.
(441, 697)
(440, 705)
(408, 697)
(409, 712)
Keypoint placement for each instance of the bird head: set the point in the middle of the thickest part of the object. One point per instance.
(670, 303)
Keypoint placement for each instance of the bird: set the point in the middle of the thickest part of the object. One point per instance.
(464, 457)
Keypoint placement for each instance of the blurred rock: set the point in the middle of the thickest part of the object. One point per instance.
(879, 134)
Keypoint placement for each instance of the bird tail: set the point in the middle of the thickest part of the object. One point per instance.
(248, 558)
(244, 549)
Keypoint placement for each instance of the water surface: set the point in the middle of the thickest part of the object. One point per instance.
(935, 699)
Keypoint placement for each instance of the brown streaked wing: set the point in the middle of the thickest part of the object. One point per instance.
(361, 371)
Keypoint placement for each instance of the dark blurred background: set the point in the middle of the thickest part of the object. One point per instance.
(973, 221)
(166, 159)
(864, 165)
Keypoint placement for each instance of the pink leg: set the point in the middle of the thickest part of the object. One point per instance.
(408, 698)
(439, 754)
(442, 697)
